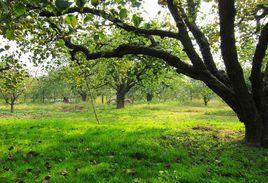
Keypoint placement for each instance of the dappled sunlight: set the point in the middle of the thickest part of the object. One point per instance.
(69, 147)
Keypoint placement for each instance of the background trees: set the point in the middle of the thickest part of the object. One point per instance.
(72, 21)
(13, 82)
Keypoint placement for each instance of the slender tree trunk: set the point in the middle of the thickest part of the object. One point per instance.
(133, 99)
(149, 97)
(43, 96)
(102, 99)
(84, 97)
(12, 107)
(206, 100)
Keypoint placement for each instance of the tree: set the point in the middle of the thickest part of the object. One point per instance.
(251, 107)
(198, 89)
(13, 82)
(86, 78)
(53, 86)
(128, 72)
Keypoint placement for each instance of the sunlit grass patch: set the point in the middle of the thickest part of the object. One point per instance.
(142, 143)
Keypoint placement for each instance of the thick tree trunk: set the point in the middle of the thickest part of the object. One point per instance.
(256, 133)
(120, 99)
(149, 97)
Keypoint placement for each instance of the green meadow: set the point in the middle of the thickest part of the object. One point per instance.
(166, 142)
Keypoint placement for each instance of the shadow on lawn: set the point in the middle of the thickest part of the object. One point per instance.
(102, 154)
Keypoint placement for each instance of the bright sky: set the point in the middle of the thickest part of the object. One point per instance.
(151, 7)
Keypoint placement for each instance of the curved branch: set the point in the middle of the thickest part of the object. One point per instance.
(116, 21)
(126, 49)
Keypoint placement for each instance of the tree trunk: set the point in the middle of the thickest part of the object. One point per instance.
(102, 99)
(206, 100)
(43, 96)
(256, 133)
(149, 97)
(120, 99)
(84, 97)
(65, 99)
(12, 107)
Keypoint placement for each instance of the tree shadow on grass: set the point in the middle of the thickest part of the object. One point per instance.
(118, 154)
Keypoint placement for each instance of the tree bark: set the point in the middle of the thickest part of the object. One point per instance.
(120, 99)
(102, 99)
(12, 107)
(84, 97)
(149, 97)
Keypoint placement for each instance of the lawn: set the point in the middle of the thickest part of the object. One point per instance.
(167, 142)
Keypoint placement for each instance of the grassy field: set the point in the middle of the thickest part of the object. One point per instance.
(166, 142)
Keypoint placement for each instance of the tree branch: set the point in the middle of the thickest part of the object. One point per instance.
(256, 78)
(184, 36)
(229, 53)
(126, 49)
(202, 41)
(4, 68)
(116, 21)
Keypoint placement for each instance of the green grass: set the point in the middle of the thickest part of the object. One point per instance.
(166, 142)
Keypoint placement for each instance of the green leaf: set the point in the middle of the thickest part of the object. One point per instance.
(136, 20)
(96, 37)
(6, 47)
(71, 20)
(19, 9)
(80, 3)
(123, 13)
(135, 3)
(62, 5)
(60, 43)
(4, 6)
(88, 18)
(9, 34)
(95, 2)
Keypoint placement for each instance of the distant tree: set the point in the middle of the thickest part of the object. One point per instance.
(128, 72)
(197, 89)
(52, 86)
(86, 78)
(12, 82)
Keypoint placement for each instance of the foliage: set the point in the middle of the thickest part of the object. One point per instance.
(13, 81)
